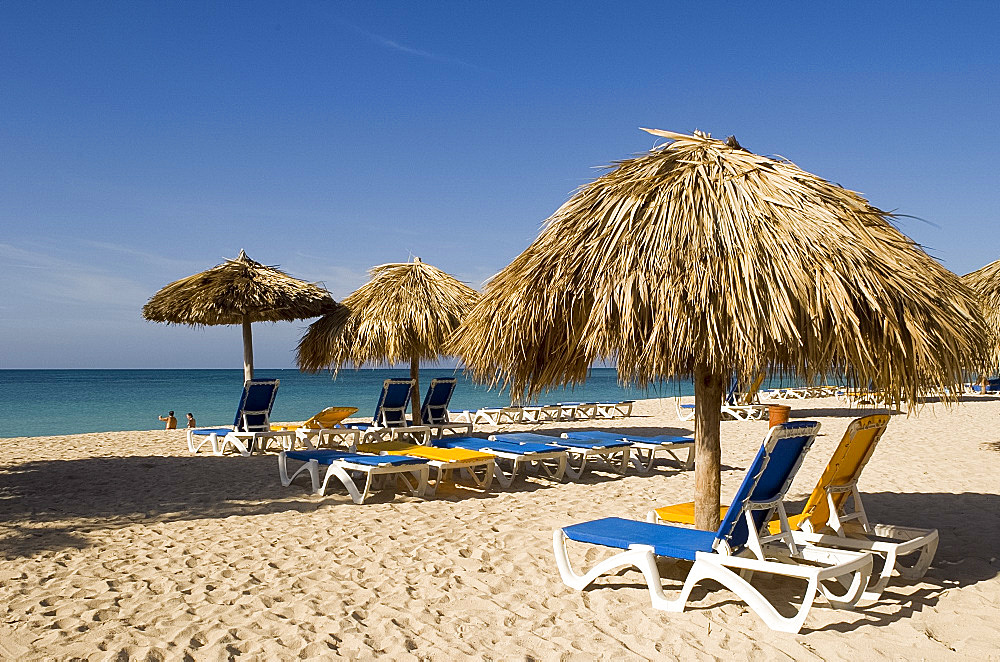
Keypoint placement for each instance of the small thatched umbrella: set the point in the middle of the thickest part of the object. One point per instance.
(699, 259)
(238, 291)
(986, 282)
(406, 312)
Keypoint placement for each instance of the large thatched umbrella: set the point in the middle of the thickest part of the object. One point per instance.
(699, 259)
(406, 312)
(238, 291)
(986, 283)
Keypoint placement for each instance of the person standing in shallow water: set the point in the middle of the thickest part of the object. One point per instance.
(170, 419)
(191, 422)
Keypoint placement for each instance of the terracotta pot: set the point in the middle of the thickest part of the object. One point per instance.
(778, 414)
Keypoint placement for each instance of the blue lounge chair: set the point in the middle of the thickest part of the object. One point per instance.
(549, 459)
(343, 465)
(740, 547)
(643, 448)
(614, 454)
(389, 421)
(434, 411)
(251, 429)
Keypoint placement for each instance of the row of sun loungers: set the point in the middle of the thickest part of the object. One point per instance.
(392, 446)
(803, 392)
(563, 411)
(831, 545)
(504, 457)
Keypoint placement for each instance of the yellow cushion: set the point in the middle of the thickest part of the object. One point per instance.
(426, 452)
(683, 513)
(328, 418)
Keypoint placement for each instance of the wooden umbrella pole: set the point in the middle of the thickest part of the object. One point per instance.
(247, 350)
(415, 393)
(707, 449)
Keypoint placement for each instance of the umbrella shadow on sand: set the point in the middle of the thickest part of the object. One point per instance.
(60, 504)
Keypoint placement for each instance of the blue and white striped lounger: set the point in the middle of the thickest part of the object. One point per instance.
(341, 464)
(643, 448)
(582, 450)
(550, 459)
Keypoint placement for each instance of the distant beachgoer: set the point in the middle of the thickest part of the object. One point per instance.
(171, 420)
(191, 422)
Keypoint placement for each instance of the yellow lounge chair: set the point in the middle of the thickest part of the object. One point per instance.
(325, 424)
(478, 466)
(834, 515)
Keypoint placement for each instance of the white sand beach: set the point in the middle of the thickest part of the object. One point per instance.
(124, 546)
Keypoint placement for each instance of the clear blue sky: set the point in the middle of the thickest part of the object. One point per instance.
(141, 142)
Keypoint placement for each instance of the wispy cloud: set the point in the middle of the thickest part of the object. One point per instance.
(41, 284)
(392, 44)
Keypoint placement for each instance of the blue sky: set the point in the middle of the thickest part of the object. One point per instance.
(141, 142)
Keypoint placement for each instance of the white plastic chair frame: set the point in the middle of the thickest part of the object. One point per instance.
(644, 454)
(245, 443)
(341, 470)
(615, 459)
(611, 410)
(727, 569)
(497, 415)
(551, 464)
(852, 530)
(541, 413)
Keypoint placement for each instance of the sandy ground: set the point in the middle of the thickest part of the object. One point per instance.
(123, 546)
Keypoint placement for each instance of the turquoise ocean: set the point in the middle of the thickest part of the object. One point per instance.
(37, 403)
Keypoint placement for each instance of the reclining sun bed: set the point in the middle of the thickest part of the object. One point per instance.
(476, 466)
(614, 454)
(251, 429)
(434, 411)
(323, 427)
(389, 420)
(550, 460)
(643, 448)
(827, 519)
(621, 409)
(341, 465)
(737, 549)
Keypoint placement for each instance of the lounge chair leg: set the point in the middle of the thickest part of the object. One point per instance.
(703, 569)
(504, 479)
(643, 465)
(573, 472)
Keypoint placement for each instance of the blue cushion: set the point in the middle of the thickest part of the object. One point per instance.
(329, 456)
(472, 443)
(616, 436)
(593, 443)
(207, 431)
(528, 437)
(672, 541)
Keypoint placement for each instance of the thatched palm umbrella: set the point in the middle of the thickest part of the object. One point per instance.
(406, 312)
(986, 283)
(238, 291)
(699, 259)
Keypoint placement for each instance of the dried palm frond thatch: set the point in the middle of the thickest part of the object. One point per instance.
(701, 258)
(406, 312)
(986, 283)
(239, 291)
